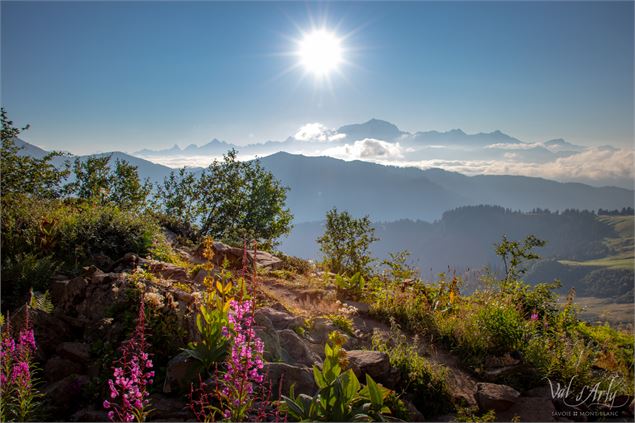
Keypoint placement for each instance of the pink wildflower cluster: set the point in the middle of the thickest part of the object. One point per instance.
(132, 374)
(244, 368)
(17, 392)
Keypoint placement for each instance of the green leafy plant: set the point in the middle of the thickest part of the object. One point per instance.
(340, 396)
(352, 283)
(342, 322)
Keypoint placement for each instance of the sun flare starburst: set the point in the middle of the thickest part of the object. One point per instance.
(320, 52)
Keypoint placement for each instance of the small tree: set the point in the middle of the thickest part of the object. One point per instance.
(92, 179)
(126, 189)
(242, 201)
(23, 174)
(98, 182)
(514, 254)
(177, 198)
(346, 241)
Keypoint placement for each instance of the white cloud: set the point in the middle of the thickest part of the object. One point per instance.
(513, 146)
(317, 132)
(597, 165)
(367, 149)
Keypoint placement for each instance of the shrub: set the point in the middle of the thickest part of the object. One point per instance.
(423, 380)
(91, 230)
(294, 264)
(502, 326)
(345, 243)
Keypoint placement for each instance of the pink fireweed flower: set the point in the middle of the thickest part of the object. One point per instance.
(534, 316)
(245, 363)
(129, 386)
(17, 384)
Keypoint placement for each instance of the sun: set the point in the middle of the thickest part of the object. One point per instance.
(320, 52)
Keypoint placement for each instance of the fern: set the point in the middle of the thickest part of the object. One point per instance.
(42, 301)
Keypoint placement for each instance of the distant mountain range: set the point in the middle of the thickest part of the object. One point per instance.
(379, 141)
(389, 193)
(421, 145)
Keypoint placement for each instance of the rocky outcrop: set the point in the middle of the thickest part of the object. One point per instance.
(234, 257)
(295, 349)
(491, 396)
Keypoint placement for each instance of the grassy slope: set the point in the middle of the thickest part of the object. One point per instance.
(622, 247)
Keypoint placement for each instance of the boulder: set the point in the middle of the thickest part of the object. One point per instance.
(65, 294)
(181, 371)
(282, 376)
(57, 368)
(279, 319)
(169, 409)
(491, 396)
(529, 409)
(102, 291)
(201, 275)
(62, 396)
(89, 414)
(75, 351)
(271, 339)
(321, 327)
(374, 363)
(295, 349)
(164, 270)
(234, 257)
(49, 329)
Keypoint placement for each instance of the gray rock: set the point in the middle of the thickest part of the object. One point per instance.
(165, 270)
(273, 350)
(182, 370)
(62, 395)
(320, 329)
(169, 409)
(234, 257)
(295, 349)
(491, 396)
(282, 376)
(66, 294)
(58, 368)
(90, 415)
(374, 363)
(529, 409)
(279, 319)
(76, 351)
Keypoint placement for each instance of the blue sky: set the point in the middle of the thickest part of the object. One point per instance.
(123, 76)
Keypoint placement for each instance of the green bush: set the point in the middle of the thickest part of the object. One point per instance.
(41, 237)
(425, 382)
(294, 264)
(502, 326)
